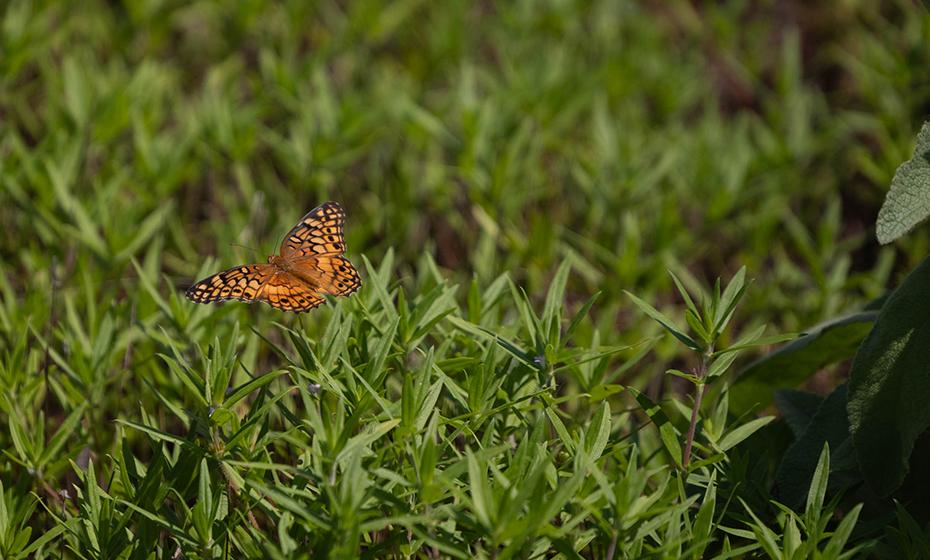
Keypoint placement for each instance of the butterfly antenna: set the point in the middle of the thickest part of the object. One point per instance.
(246, 247)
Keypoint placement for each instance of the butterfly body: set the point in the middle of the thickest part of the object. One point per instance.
(310, 264)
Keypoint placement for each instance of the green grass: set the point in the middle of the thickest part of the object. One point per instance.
(509, 171)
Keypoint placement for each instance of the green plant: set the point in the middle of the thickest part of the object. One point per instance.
(806, 535)
(708, 323)
(509, 171)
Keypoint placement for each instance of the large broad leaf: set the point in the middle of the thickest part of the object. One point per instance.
(793, 363)
(828, 425)
(908, 201)
(889, 387)
(798, 408)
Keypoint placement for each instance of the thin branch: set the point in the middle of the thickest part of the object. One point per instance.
(698, 398)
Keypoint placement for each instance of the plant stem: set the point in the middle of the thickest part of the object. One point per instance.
(613, 546)
(698, 397)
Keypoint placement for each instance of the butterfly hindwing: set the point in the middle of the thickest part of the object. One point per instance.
(320, 232)
(328, 274)
(286, 292)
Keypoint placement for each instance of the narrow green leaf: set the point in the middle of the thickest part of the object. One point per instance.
(204, 507)
(818, 488)
(791, 538)
(176, 532)
(667, 432)
(247, 388)
(554, 297)
(61, 436)
(379, 356)
(47, 537)
(703, 521)
(730, 298)
(150, 288)
(21, 441)
(690, 377)
(734, 437)
(598, 433)
(721, 364)
(149, 226)
(581, 315)
(840, 537)
(765, 536)
(510, 347)
(482, 500)
(157, 434)
(694, 321)
(379, 285)
(685, 295)
(660, 318)
(531, 322)
(560, 429)
(367, 437)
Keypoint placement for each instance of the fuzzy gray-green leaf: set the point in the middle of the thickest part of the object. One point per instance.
(908, 201)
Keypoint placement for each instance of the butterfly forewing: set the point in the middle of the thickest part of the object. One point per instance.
(320, 232)
(242, 282)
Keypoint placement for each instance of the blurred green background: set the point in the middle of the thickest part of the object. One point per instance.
(627, 137)
(472, 138)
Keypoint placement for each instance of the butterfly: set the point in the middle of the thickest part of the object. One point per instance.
(310, 263)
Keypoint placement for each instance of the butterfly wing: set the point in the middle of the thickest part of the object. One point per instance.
(328, 274)
(314, 248)
(287, 292)
(244, 283)
(320, 232)
(257, 282)
(314, 266)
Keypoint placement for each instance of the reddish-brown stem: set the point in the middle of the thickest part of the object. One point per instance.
(698, 397)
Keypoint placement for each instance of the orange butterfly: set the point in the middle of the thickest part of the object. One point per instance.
(310, 264)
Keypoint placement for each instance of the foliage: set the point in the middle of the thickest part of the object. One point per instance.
(908, 201)
(889, 385)
(510, 170)
(822, 346)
